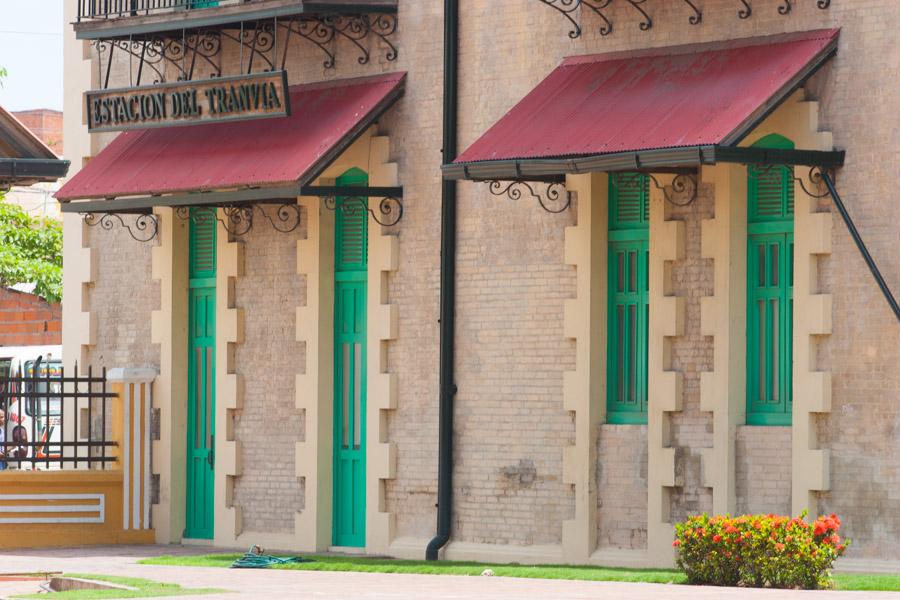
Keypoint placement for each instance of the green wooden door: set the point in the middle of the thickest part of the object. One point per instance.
(351, 263)
(201, 398)
(628, 296)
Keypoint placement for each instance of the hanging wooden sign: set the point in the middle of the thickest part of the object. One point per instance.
(254, 96)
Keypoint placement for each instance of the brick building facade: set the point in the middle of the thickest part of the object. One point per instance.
(539, 476)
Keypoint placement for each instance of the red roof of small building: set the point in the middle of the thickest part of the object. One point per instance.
(325, 119)
(659, 98)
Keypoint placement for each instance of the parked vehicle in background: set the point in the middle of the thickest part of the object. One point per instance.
(32, 414)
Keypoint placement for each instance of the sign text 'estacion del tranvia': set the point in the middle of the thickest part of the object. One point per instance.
(254, 96)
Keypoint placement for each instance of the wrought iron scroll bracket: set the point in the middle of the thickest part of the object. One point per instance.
(681, 192)
(389, 212)
(238, 219)
(286, 217)
(647, 23)
(815, 179)
(359, 30)
(182, 55)
(567, 8)
(683, 189)
(144, 228)
(554, 199)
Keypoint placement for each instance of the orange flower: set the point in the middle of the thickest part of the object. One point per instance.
(717, 538)
(676, 543)
(779, 547)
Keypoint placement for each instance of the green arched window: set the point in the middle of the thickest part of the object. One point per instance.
(627, 291)
(770, 281)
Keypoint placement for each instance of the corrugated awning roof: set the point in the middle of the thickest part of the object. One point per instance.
(325, 120)
(685, 97)
(24, 158)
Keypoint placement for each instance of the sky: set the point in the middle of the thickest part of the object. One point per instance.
(31, 51)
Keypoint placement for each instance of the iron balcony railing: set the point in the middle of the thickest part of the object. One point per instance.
(113, 9)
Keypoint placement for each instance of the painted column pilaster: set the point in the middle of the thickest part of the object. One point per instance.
(667, 315)
(723, 316)
(585, 249)
(314, 392)
(79, 325)
(382, 323)
(229, 395)
(169, 329)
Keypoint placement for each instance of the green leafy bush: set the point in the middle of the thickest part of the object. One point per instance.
(30, 251)
(759, 550)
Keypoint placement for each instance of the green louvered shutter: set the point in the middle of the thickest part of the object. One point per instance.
(629, 201)
(628, 292)
(202, 244)
(770, 282)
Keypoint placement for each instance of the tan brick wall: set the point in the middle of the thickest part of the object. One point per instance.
(692, 353)
(763, 470)
(511, 425)
(122, 297)
(622, 487)
(268, 492)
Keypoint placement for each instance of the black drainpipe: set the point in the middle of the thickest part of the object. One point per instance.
(448, 287)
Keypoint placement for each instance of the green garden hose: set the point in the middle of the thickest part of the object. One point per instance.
(255, 559)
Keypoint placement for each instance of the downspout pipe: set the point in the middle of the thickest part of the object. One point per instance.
(447, 382)
(870, 262)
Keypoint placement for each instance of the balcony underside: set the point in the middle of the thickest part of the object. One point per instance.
(136, 24)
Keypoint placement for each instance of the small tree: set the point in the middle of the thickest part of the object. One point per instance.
(30, 251)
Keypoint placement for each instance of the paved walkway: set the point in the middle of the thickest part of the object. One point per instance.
(270, 584)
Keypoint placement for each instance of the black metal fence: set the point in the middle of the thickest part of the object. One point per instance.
(112, 9)
(55, 421)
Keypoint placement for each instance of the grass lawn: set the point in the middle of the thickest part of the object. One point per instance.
(387, 565)
(843, 581)
(145, 589)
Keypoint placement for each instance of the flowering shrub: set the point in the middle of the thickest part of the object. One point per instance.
(759, 550)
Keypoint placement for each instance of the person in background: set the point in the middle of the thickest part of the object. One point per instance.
(19, 441)
(2, 439)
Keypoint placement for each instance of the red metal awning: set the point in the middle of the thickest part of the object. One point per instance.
(686, 96)
(325, 119)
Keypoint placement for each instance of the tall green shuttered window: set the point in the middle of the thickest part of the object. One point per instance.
(770, 284)
(628, 291)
